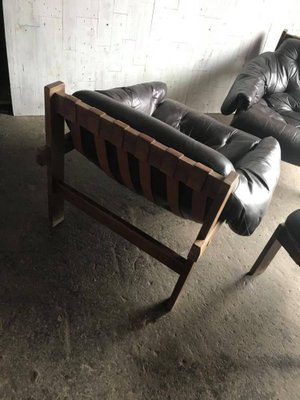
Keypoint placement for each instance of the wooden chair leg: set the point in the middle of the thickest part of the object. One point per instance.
(55, 165)
(207, 232)
(267, 254)
(179, 286)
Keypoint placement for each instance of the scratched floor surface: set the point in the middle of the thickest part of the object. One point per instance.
(78, 316)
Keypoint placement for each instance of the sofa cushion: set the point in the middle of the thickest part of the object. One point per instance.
(263, 121)
(266, 98)
(283, 102)
(202, 139)
(143, 97)
(230, 142)
(160, 131)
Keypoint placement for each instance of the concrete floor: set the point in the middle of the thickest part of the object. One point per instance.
(77, 304)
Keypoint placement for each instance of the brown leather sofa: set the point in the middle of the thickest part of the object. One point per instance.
(199, 137)
(266, 98)
(186, 162)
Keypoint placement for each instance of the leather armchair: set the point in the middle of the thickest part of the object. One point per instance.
(223, 148)
(266, 98)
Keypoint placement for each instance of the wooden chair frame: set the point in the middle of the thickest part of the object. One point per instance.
(204, 182)
(280, 237)
(284, 36)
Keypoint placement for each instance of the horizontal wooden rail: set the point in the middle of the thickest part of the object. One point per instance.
(134, 235)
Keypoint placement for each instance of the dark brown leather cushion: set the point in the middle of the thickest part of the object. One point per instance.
(262, 121)
(143, 97)
(199, 137)
(266, 98)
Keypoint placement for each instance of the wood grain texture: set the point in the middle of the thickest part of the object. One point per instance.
(54, 127)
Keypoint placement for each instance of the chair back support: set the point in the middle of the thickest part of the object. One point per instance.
(209, 189)
(284, 36)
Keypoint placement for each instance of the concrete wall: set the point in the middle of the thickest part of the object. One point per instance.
(196, 46)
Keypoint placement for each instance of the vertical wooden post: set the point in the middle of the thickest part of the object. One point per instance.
(267, 254)
(179, 285)
(55, 141)
(209, 228)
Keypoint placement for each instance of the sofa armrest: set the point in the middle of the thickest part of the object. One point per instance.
(245, 91)
(255, 80)
(258, 173)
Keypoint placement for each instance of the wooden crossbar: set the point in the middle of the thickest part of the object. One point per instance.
(210, 190)
(123, 228)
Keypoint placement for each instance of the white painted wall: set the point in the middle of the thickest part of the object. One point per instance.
(196, 46)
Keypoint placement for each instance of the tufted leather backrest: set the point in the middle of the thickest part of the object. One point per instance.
(268, 74)
(285, 95)
(161, 131)
(288, 56)
(143, 97)
(230, 142)
(198, 137)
